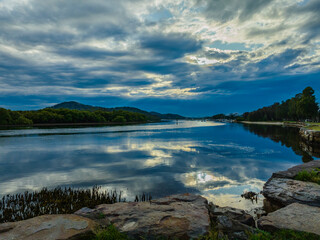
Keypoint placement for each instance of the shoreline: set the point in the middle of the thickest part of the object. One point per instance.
(73, 124)
(262, 123)
(284, 123)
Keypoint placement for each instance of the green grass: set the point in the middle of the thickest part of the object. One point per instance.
(109, 233)
(316, 128)
(313, 126)
(309, 176)
(263, 235)
(112, 233)
(283, 235)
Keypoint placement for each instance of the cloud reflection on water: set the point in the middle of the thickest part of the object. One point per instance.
(217, 161)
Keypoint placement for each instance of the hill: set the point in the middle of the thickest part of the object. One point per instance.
(63, 116)
(151, 115)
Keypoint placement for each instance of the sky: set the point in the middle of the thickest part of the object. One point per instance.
(191, 57)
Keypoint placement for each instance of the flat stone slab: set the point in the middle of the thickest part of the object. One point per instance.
(299, 217)
(181, 216)
(48, 227)
(287, 191)
(292, 172)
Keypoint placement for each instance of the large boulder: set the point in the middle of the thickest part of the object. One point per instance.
(286, 191)
(291, 173)
(299, 217)
(282, 189)
(49, 227)
(178, 216)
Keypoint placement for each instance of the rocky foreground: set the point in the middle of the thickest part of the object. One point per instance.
(283, 189)
(184, 216)
(300, 201)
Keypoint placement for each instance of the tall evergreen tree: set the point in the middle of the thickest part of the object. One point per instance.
(307, 106)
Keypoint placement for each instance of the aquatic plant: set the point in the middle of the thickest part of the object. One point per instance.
(250, 195)
(143, 198)
(26, 205)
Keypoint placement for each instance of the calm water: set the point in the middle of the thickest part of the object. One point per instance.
(218, 161)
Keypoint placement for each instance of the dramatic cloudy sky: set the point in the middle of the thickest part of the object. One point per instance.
(193, 57)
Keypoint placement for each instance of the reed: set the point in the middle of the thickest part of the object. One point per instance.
(59, 200)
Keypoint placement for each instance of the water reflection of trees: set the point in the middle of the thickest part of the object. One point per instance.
(287, 136)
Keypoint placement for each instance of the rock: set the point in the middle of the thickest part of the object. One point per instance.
(292, 172)
(179, 216)
(49, 227)
(296, 216)
(287, 191)
(231, 223)
(250, 195)
(257, 213)
(233, 213)
(310, 136)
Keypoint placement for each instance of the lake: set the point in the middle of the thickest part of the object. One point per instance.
(217, 160)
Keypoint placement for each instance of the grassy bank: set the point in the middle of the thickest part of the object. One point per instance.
(313, 126)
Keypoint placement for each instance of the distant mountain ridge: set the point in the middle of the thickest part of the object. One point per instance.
(152, 115)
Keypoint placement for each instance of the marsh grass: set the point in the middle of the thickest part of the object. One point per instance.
(309, 176)
(55, 201)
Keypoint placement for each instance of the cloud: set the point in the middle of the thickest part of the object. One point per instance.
(216, 54)
(226, 10)
(173, 45)
(133, 50)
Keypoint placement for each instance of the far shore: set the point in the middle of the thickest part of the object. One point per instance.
(73, 124)
(263, 123)
(284, 123)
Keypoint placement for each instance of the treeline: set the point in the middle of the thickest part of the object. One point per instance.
(220, 116)
(59, 116)
(299, 108)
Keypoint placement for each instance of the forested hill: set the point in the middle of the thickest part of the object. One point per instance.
(150, 115)
(301, 107)
(68, 116)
